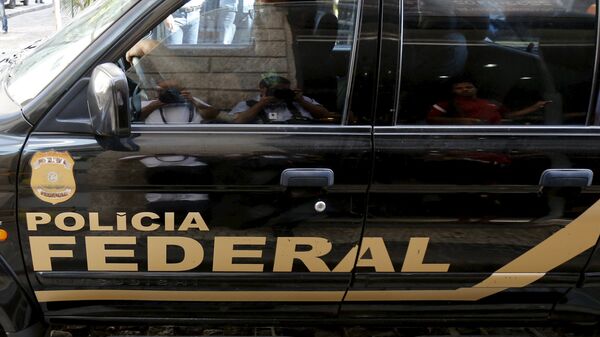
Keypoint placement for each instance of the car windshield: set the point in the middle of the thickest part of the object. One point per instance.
(35, 71)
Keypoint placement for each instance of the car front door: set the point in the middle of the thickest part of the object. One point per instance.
(221, 220)
(482, 202)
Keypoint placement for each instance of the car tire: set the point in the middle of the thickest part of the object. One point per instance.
(11, 4)
(25, 2)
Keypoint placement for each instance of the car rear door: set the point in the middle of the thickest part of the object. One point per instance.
(488, 220)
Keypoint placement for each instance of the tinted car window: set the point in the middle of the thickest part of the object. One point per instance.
(246, 62)
(497, 62)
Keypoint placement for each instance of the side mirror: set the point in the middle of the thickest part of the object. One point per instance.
(108, 101)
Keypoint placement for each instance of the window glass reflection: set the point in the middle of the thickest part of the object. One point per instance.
(529, 62)
(245, 61)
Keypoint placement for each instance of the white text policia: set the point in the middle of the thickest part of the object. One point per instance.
(228, 252)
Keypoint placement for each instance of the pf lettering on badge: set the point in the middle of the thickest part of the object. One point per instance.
(52, 178)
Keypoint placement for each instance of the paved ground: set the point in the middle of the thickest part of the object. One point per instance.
(27, 24)
(230, 331)
(321, 331)
(32, 7)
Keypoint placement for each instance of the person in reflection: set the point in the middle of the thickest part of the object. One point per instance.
(175, 105)
(3, 17)
(182, 25)
(217, 22)
(466, 108)
(141, 49)
(277, 102)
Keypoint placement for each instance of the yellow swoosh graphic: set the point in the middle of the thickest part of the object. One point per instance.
(189, 296)
(578, 236)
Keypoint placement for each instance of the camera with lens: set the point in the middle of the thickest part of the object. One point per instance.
(170, 96)
(282, 94)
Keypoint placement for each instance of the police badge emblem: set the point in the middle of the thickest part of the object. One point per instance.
(52, 178)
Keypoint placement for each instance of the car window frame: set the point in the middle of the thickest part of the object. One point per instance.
(390, 114)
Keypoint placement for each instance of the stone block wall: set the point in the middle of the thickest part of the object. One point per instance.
(223, 75)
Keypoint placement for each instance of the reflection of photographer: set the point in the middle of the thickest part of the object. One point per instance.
(278, 103)
(176, 106)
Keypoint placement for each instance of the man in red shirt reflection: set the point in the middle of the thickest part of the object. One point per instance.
(466, 108)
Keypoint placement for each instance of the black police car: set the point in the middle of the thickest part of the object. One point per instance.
(424, 161)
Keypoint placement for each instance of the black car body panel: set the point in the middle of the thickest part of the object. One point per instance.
(170, 178)
(423, 223)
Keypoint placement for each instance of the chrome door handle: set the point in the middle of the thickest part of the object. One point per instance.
(566, 178)
(307, 177)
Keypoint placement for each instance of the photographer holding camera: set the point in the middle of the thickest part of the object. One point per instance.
(176, 106)
(278, 103)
